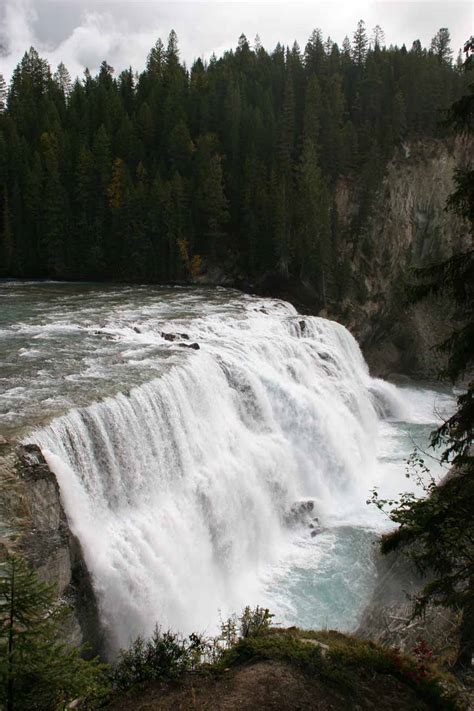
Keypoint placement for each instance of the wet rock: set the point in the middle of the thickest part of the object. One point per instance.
(174, 336)
(169, 336)
(300, 512)
(136, 329)
(194, 346)
(302, 325)
(35, 526)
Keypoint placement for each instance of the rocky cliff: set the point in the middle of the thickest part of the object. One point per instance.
(409, 226)
(388, 618)
(406, 225)
(33, 524)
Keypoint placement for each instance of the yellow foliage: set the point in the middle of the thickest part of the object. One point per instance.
(193, 265)
(115, 187)
(183, 251)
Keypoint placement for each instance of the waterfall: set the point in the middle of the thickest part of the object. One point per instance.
(179, 489)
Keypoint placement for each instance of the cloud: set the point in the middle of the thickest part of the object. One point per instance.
(99, 36)
(82, 33)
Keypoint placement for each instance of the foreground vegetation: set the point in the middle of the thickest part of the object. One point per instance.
(38, 673)
(341, 665)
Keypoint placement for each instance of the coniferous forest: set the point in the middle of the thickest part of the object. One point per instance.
(152, 176)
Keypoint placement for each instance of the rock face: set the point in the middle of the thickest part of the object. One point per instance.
(302, 513)
(33, 523)
(387, 618)
(409, 227)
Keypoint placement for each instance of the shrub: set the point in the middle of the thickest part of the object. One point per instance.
(164, 656)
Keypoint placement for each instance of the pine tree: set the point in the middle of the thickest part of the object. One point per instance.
(314, 55)
(441, 45)
(313, 222)
(354, 104)
(156, 59)
(211, 199)
(63, 80)
(36, 671)
(54, 212)
(378, 37)
(360, 44)
(3, 94)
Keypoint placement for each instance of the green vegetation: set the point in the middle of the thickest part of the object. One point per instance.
(163, 657)
(40, 674)
(338, 661)
(37, 672)
(235, 162)
(166, 656)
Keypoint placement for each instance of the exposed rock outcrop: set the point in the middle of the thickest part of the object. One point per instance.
(388, 619)
(409, 227)
(33, 524)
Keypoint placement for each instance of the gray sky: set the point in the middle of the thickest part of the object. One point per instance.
(84, 32)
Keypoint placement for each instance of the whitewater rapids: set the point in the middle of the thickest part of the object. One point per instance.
(180, 487)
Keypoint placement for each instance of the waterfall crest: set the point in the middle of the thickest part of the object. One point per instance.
(180, 488)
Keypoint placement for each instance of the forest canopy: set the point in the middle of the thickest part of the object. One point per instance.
(145, 177)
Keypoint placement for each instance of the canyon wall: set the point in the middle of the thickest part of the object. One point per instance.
(409, 227)
(33, 524)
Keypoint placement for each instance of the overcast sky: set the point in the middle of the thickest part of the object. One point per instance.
(81, 33)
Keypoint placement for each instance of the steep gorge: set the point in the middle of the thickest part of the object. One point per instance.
(408, 225)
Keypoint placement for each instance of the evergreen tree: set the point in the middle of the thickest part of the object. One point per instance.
(360, 44)
(54, 209)
(441, 45)
(36, 671)
(3, 94)
(63, 80)
(68, 208)
(378, 37)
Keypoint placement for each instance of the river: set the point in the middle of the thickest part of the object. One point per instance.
(213, 449)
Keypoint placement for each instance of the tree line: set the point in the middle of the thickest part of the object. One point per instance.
(154, 176)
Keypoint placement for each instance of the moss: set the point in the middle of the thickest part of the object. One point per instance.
(342, 661)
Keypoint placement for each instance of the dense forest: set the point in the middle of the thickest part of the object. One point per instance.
(154, 176)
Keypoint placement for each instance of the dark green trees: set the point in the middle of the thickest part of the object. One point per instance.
(145, 177)
(36, 671)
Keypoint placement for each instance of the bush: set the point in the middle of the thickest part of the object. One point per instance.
(166, 656)
(163, 657)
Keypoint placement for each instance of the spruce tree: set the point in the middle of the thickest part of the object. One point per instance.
(441, 45)
(37, 672)
(360, 44)
(3, 94)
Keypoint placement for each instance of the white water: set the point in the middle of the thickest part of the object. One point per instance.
(179, 488)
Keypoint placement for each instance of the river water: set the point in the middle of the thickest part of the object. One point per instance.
(199, 480)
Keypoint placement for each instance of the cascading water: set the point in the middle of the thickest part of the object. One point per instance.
(180, 487)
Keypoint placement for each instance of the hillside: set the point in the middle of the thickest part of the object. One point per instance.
(297, 669)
